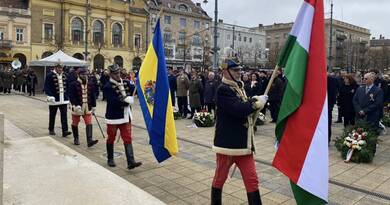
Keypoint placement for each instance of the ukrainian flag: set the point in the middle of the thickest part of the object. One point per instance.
(155, 99)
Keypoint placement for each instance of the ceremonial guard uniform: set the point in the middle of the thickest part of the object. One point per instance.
(233, 141)
(57, 98)
(119, 95)
(82, 94)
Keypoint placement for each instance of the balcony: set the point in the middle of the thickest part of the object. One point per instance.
(15, 11)
(6, 44)
(341, 37)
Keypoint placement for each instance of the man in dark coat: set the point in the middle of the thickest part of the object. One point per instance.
(119, 94)
(32, 81)
(210, 91)
(234, 132)
(82, 95)
(275, 98)
(57, 97)
(332, 97)
(368, 101)
(172, 85)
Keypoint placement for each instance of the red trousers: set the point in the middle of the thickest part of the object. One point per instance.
(125, 132)
(247, 167)
(76, 119)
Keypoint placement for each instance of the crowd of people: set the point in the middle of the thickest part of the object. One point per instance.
(20, 80)
(358, 97)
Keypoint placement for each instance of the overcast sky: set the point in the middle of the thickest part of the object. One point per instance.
(371, 14)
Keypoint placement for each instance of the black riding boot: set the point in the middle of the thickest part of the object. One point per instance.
(131, 163)
(216, 196)
(75, 130)
(110, 155)
(254, 198)
(90, 141)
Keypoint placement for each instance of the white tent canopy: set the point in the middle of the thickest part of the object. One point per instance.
(59, 57)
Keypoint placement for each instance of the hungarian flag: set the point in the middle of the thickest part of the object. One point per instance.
(302, 125)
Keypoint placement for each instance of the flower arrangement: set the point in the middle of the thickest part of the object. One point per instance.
(386, 115)
(204, 119)
(358, 144)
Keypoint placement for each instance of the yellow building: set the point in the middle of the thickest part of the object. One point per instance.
(116, 30)
(15, 29)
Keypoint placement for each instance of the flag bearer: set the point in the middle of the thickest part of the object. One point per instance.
(234, 131)
(119, 95)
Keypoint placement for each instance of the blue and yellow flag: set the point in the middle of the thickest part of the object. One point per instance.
(155, 99)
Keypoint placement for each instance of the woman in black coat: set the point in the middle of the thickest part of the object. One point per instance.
(347, 91)
(254, 86)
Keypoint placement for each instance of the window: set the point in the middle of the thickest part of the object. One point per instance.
(244, 38)
(48, 31)
(137, 41)
(183, 22)
(196, 40)
(207, 25)
(239, 37)
(117, 34)
(77, 29)
(285, 35)
(169, 52)
(182, 37)
(167, 19)
(250, 40)
(98, 32)
(228, 37)
(167, 37)
(197, 24)
(19, 34)
(1, 35)
(183, 7)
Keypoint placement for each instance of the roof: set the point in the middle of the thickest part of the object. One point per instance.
(59, 57)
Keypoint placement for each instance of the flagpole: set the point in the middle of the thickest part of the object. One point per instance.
(271, 80)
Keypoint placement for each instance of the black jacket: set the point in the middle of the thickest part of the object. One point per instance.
(232, 136)
(76, 94)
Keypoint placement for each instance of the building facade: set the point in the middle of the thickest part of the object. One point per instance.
(248, 43)
(185, 26)
(114, 31)
(379, 54)
(349, 47)
(15, 30)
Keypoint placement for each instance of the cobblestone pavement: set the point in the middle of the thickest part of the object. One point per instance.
(186, 178)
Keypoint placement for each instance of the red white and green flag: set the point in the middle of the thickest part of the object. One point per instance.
(302, 125)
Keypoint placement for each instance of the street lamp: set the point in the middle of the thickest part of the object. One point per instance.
(215, 61)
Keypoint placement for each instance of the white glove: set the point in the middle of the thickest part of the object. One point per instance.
(93, 110)
(78, 110)
(261, 100)
(129, 99)
(51, 99)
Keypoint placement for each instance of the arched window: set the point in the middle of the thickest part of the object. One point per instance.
(98, 63)
(47, 54)
(183, 7)
(77, 29)
(117, 35)
(119, 61)
(78, 56)
(98, 32)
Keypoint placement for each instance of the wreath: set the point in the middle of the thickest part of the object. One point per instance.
(358, 143)
(204, 119)
(386, 115)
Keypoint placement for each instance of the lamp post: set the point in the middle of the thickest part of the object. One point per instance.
(215, 57)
